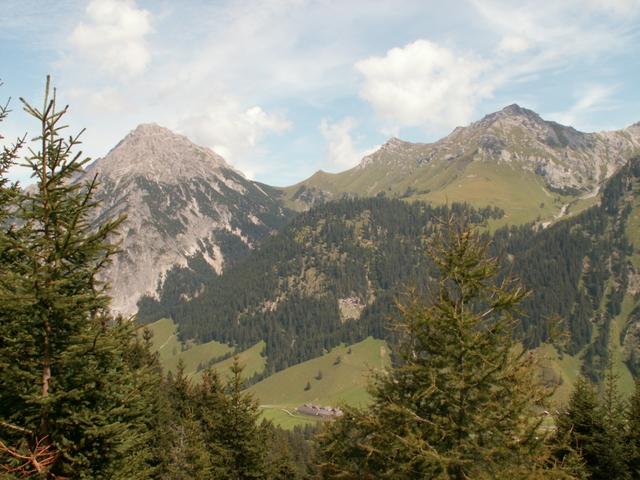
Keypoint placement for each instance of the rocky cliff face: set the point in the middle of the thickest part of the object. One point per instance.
(185, 206)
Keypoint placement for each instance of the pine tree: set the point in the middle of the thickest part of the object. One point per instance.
(633, 433)
(465, 401)
(211, 407)
(612, 412)
(186, 454)
(71, 405)
(581, 429)
(243, 438)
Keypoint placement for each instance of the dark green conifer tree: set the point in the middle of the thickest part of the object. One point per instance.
(580, 429)
(187, 455)
(612, 411)
(633, 433)
(243, 438)
(211, 406)
(71, 404)
(465, 400)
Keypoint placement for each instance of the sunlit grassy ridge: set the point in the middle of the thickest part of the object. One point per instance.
(198, 357)
(520, 193)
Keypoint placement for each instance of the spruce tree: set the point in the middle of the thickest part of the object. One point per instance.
(580, 428)
(242, 437)
(71, 404)
(612, 411)
(185, 453)
(465, 400)
(633, 433)
(211, 407)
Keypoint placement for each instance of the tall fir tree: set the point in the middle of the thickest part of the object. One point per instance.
(581, 429)
(633, 433)
(465, 400)
(71, 404)
(243, 438)
(612, 411)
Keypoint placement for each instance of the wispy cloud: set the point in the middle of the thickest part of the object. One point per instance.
(342, 152)
(232, 131)
(589, 101)
(254, 79)
(427, 84)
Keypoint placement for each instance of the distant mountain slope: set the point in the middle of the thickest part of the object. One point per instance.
(333, 274)
(187, 210)
(329, 276)
(512, 159)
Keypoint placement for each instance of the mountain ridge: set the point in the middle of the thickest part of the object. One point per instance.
(519, 150)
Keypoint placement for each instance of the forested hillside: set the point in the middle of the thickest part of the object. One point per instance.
(334, 273)
(330, 276)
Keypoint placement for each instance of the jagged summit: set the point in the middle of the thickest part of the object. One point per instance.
(514, 109)
(185, 206)
(512, 158)
(512, 114)
(157, 153)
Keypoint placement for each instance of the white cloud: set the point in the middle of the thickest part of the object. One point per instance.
(113, 37)
(103, 100)
(622, 8)
(513, 44)
(424, 84)
(341, 149)
(233, 131)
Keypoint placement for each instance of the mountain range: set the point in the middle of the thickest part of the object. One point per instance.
(285, 275)
(190, 214)
(512, 159)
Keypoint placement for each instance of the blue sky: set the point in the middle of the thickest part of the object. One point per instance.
(282, 88)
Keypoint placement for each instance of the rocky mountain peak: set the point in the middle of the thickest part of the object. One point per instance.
(510, 115)
(187, 210)
(516, 110)
(158, 154)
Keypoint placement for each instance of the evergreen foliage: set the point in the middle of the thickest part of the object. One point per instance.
(632, 436)
(465, 401)
(600, 429)
(213, 431)
(72, 405)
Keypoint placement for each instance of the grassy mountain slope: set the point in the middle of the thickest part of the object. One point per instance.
(341, 381)
(198, 356)
(333, 274)
(512, 159)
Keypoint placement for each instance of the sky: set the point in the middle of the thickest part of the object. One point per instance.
(283, 88)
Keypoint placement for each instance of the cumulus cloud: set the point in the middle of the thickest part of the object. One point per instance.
(113, 36)
(424, 84)
(233, 131)
(342, 152)
(429, 85)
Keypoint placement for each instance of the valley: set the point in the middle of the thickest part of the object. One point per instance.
(281, 306)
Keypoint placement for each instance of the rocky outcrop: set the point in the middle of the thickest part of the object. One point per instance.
(185, 207)
(566, 159)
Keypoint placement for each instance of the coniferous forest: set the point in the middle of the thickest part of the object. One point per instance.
(83, 395)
